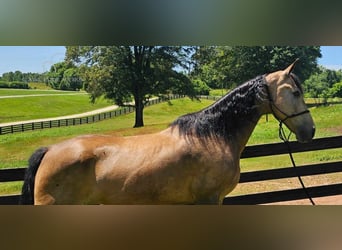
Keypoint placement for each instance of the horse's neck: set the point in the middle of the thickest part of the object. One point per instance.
(244, 128)
(240, 113)
(242, 136)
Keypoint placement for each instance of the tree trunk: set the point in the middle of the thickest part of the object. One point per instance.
(139, 113)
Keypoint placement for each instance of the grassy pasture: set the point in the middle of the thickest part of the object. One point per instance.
(16, 148)
(37, 107)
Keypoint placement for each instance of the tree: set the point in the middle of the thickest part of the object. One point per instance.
(332, 77)
(336, 90)
(64, 76)
(237, 64)
(211, 65)
(122, 72)
(71, 80)
(316, 86)
(8, 76)
(55, 75)
(282, 56)
(18, 76)
(321, 84)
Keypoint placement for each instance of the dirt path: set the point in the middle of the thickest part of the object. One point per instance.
(329, 200)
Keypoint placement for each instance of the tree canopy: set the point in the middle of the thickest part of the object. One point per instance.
(232, 65)
(18, 76)
(64, 76)
(324, 83)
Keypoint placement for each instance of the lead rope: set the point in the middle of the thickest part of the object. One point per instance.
(286, 140)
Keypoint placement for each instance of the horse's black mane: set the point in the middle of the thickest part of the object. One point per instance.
(222, 118)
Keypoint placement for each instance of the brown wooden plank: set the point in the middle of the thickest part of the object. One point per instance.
(284, 195)
(281, 148)
(289, 172)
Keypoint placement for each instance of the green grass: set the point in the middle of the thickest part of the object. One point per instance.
(218, 92)
(15, 149)
(28, 108)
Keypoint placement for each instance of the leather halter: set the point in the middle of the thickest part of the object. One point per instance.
(272, 104)
(283, 136)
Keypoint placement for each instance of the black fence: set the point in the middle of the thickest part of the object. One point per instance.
(289, 172)
(8, 175)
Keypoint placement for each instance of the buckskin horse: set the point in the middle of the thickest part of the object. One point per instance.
(193, 161)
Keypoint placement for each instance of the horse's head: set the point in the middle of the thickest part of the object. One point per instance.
(287, 103)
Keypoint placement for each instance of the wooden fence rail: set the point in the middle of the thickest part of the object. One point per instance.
(27, 126)
(8, 175)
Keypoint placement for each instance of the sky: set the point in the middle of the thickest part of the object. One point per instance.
(331, 57)
(38, 59)
(35, 59)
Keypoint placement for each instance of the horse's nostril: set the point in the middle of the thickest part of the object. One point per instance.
(313, 131)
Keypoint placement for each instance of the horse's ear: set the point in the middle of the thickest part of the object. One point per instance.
(289, 69)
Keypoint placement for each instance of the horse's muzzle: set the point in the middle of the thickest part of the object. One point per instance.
(306, 135)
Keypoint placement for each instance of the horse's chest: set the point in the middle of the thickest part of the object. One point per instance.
(218, 176)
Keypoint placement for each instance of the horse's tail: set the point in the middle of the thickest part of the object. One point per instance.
(27, 192)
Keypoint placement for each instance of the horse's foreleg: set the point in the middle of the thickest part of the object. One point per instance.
(45, 199)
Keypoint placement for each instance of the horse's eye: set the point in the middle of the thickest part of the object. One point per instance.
(296, 93)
